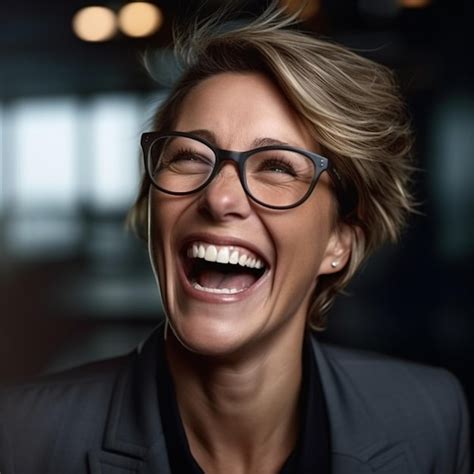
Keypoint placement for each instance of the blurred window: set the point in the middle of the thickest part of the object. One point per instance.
(452, 152)
(42, 151)
(62, 160)
(114, 134)
(2, 172)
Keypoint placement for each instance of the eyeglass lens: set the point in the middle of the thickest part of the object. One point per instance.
(274, 177)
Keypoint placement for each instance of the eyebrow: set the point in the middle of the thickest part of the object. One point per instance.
(256, 143)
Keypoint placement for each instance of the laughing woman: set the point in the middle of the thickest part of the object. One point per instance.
(276, 166)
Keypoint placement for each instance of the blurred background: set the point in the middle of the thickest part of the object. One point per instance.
(74, 98)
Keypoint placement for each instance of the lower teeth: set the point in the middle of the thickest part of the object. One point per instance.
(224, 291)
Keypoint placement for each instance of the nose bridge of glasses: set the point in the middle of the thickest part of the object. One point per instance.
(229, 160)
(224, 157)
(229, 155)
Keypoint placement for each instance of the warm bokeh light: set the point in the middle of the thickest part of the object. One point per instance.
(414, 3)
(94, 23)
(309, 9)
(140, 19)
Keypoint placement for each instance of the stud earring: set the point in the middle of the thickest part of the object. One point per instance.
(334, 264)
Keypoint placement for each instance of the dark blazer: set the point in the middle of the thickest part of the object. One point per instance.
(386, 416)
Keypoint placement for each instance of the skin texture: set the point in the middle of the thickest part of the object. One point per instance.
(236, 360)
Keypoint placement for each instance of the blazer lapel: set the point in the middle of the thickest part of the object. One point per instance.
(134, 442)
(359, 444)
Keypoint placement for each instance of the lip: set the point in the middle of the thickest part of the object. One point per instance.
(219, 240)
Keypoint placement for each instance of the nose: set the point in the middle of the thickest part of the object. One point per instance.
(224, 198)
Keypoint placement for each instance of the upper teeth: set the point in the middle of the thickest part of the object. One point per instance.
(224, 254)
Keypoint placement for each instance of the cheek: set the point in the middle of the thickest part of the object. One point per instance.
(306, 237)
(167, 215)
(162, 217)
(155, 223)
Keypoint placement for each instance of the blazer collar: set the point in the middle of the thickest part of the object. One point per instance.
(359, 442)
(134, 439)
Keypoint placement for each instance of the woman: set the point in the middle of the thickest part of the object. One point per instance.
(278, 163)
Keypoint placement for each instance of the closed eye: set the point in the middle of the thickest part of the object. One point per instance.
(188, 155)
(185, 160)
(277, 165)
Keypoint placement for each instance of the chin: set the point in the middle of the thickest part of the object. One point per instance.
(209, 337)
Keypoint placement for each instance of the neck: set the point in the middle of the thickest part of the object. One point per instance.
(240, 414)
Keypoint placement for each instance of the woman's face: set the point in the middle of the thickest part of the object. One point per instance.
(218, 308)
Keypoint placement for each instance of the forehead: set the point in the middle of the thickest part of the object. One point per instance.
(240, 107)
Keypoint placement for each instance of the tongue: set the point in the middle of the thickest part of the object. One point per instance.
(215, 279)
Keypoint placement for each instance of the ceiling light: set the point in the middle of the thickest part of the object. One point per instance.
(306, 9)
(94, 23)
(139, 19)
(414, 3)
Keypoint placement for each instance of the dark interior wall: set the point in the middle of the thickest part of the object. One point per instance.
(412, 300)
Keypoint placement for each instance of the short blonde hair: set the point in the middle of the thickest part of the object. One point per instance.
(351, 106)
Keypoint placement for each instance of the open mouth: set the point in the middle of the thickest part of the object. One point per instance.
(221, 269)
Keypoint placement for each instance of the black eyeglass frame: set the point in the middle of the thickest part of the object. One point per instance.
(320, 163)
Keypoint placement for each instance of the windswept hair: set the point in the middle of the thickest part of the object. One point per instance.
(351, 106)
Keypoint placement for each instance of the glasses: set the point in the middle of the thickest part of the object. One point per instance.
(275, 176)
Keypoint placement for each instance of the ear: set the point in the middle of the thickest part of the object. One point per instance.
(338, 250)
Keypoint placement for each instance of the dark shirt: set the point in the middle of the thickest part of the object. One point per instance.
(312, 451)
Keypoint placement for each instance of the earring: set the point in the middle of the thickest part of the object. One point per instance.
(334, 264)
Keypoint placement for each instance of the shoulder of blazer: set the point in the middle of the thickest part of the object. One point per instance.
(37, 413)
(408, 402)
(387, 379)
(101, 372)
